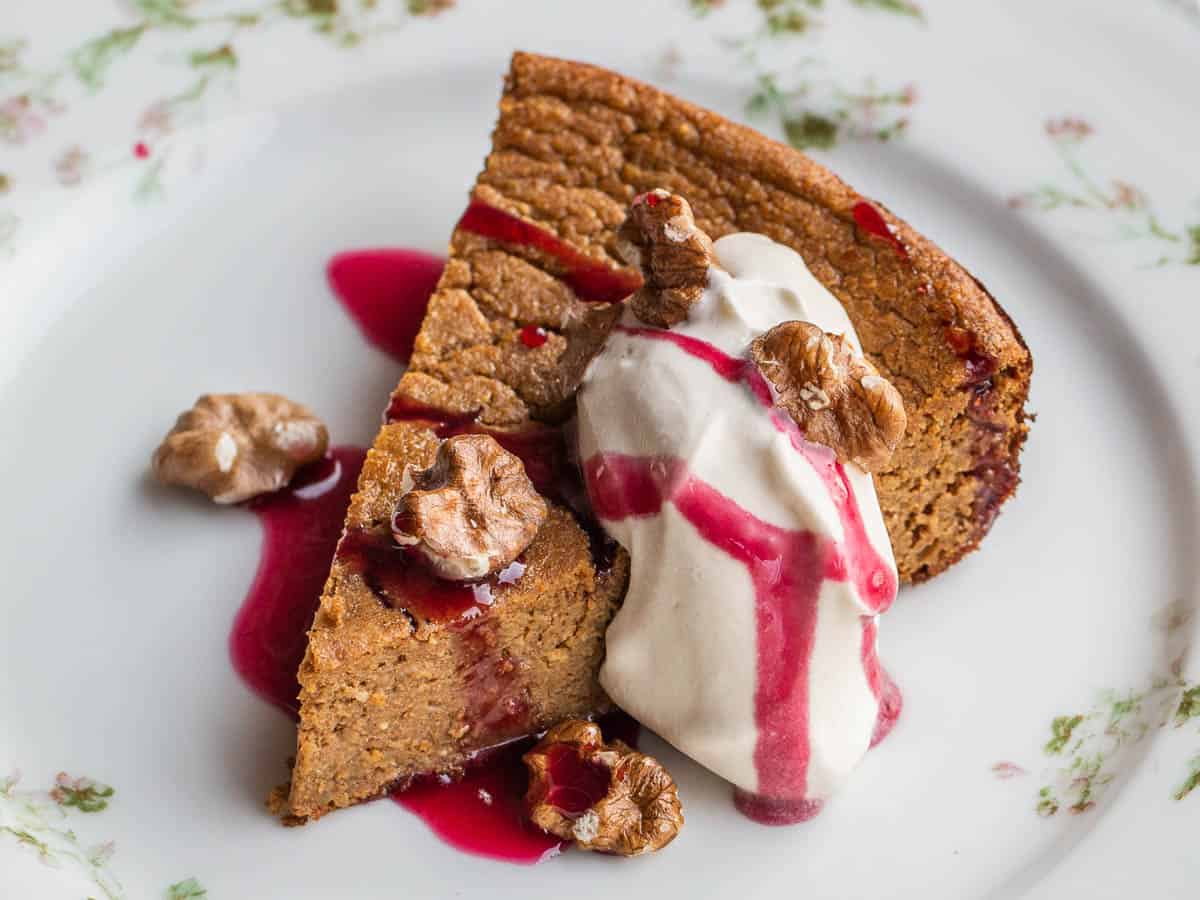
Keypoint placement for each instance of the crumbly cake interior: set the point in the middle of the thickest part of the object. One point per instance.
(385, 696)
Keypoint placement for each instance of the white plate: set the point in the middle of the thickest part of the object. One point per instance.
(114, 314)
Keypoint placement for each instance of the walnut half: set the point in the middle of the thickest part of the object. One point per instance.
(832, 392)
(660, 236)
(602, 796)
(472, 512)
(237, 446)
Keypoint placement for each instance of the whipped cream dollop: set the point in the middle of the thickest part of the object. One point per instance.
(747, 638)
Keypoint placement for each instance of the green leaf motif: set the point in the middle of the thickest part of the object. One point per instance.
(1192, 781)
(165, 13)
(222, 57)
(312, 7)
(28, 839)
(1047, 803)
(900, 7)
(1189, 703)
(83, 794)
(91, 61)
(10, 54)
(1060, 731)
(811, 130)
(188, 888)
(36, 819)
(1193, 259)
(428, 7)
(791, 21)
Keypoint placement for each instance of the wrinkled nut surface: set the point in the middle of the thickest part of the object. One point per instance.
(472, 512)
(237, 446)
(661, 237)
(640, 812)
(832, 392)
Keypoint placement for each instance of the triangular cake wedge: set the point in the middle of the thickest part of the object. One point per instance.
(389, 690)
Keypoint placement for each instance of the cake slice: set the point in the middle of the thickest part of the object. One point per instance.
(404, 677)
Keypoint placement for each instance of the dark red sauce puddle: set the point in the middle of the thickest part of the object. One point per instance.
(386, 293)
(301, 526)
(484, 812)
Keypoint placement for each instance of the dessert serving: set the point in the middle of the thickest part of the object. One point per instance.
(725, 439)
(683, 412)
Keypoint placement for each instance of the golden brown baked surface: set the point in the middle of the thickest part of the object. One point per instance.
(387, 693)
(572, 147)
(385, 696)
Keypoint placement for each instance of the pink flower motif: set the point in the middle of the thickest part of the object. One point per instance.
(908, 96)
(102, 853)
(18, 120)
(1126, 196)
(70, 166)
(141, 150)
(1006, 770)
(156, 120)
(1068, 128)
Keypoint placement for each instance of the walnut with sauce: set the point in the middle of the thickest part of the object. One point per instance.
(602, 796)
(237, 446)
(472, 512)
(832, 392)
(660, 236)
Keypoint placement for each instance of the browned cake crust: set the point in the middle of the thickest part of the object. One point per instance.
(575, 143)
(385, 696)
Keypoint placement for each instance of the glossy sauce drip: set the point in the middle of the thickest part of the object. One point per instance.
(541, 448)
(400, 579)
(484, 812)
(534, 336)
(980, 367)
(995, 472)
(576, 784)
(589, 278)
(871, 220)
(386, 293)
(301, 525)
(874, 579)
(786, 568)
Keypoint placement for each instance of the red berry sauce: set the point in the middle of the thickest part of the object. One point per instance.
(301, 525)
(484, 812)
(871, 220)
(533, 336)
(576, 784)
(590, 278)
(386, 293)
(786, 568)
